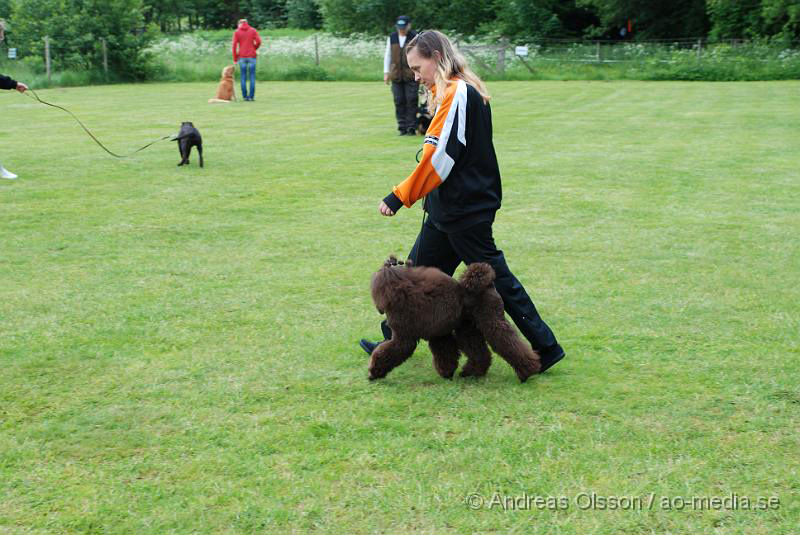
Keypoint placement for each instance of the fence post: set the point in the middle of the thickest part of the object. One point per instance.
(699, 46)
(105, 57)
(501, 57)
(597, 51)
(316, 49)
(47, 55)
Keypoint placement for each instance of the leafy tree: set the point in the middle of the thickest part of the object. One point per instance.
(749, 19)
(575, 18)
(461, 16)
(76, 27)
(521, 20)
(369, 16)
(652, 19)
(221, 13)
(265, 13)
(225, 13)
(527, 20)
(781, 19)
(734, 19)
(171, 14)
(303, 14)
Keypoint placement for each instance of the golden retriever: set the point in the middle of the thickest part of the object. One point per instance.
(225, 89)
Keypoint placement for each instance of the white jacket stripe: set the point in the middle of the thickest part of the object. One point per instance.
(441, 161)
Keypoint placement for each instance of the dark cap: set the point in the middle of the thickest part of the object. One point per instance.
(402, 21)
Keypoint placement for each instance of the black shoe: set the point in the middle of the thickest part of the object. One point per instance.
(401, 133)
(551, 357)
(411, 132)
(368, 346)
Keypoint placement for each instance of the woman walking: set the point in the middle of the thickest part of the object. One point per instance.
(460, 179)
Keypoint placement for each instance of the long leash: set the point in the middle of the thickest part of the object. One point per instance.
(114, 154)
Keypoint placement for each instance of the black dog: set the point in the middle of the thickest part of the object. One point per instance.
(424, 118)
(187, 138)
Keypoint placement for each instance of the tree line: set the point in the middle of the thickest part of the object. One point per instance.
(519, 20)
(531, 20)
(77, 27)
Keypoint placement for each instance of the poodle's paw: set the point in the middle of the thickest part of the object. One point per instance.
(374, 375)
(530, 368)
(445, 371)
(470, 370)
(444, 375)
(376, 372)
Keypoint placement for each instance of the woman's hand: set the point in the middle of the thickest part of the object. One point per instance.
(385, 210)
(21, 87)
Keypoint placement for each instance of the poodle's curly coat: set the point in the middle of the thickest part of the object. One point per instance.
(453, 316)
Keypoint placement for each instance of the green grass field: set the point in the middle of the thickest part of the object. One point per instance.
(178, 345)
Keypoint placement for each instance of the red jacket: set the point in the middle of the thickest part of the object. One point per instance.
(246, 40)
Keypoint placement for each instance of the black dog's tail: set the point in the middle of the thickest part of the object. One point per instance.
(477, 277)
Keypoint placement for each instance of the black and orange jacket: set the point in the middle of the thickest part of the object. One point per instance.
(458, 170)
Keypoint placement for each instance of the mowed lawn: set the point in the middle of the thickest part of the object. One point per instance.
(178, 346)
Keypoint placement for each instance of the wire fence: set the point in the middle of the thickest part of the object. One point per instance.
(499, 56)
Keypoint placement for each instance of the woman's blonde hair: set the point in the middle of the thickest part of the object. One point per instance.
(449, 64)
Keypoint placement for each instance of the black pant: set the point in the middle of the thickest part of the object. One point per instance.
(446, 251)
(406, 97)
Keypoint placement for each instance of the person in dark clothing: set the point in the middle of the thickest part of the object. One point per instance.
(459, 178)
(405, 88)
(8, 83)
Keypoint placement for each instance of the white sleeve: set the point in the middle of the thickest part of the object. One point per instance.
(387, 57)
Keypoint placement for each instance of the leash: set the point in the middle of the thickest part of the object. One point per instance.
(114, 154)
(422, 226)
(421, 232)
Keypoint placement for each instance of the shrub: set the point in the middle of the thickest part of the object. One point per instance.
(76, 28)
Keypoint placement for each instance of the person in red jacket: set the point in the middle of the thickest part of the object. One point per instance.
(245, 44)
(8, 83)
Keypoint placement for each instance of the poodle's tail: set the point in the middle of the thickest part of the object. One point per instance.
(477, 277)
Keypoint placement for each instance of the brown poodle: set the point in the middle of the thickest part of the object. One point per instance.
(453, 316)
(225, 89)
